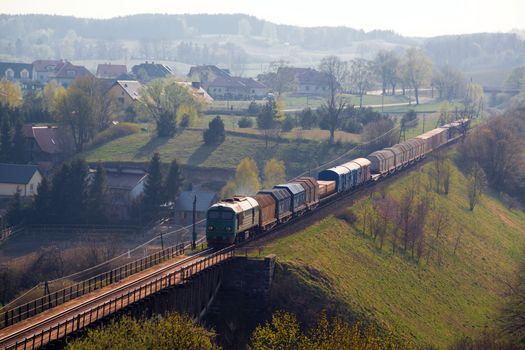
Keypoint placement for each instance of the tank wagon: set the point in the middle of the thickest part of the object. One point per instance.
(234, 219)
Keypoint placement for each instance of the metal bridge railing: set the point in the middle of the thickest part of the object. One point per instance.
(120, 302)
(36, 306)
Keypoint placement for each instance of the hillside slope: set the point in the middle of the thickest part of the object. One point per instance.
(333, 266)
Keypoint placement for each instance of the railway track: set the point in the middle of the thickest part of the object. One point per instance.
(9, 336)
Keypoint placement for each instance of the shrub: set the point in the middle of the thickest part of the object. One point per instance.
(254, 108)
(288, 124)
(215, 133)
(245, 122)
(307, 118)
(114, 132)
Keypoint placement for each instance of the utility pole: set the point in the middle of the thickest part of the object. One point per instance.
(194, 233)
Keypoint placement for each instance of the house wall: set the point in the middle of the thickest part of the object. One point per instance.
(137, 190)
(32, 186)
(312, 89)
(221, 92)
(28, 190)
(122, 97)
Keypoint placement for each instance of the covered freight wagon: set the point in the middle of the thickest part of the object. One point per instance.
(283, 203)
(382, 162)
(267, 211)
(340, 175)
(298, 194)
(364, 170)
(354, 169)
(311, 188)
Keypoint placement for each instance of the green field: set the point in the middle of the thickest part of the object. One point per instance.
(330, 263)
(300, 102)
(188, 148)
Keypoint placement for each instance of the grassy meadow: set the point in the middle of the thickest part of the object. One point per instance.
(425, 303)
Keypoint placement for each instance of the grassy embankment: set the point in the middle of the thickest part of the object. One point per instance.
(332, 265)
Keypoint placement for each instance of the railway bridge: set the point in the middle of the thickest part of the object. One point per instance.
(164, 281)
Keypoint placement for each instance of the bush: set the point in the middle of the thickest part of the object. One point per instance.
(245, 122)
(348, 216)
(307, 118)
(215, 133)
(114, 132)
(254, 108)
(288, 124)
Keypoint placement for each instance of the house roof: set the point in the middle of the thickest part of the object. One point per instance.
(251, 83)
(108, 70)
(47, 137)
(153, 70)
(17, 173)
(229, 82)
(306, 75)
(216, 70)
(204, 200)
(71, 71)
(131, 87)
(45, 65)
(197, 93)
(17, 68)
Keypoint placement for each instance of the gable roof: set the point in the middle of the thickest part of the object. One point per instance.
(251, 83)
(204, 200)
(197, 92)
(205, 68)
(47, 65)
(17, 68)
(17, 173)
(131, 87)
(71, 71)
(229, 82)
(47, 137)
(108, 70)
(153, 70)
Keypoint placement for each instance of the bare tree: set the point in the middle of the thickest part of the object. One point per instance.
(336, 72)
(416, 69)
(360, 77)
(475, 185)
(385, 66)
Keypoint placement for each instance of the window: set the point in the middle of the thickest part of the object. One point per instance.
(227, 215)
(24, 74)
(9, 73)
(213, 214)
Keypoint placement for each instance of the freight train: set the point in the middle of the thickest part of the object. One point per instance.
(235, 219)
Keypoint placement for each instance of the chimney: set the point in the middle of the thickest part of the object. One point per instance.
(196, 84)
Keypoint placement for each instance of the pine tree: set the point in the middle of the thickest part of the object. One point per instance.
(5, 141)
(15, 213)
(59, 204)
(98, 197)
(19, 144)
(42, 211)
(152, 189)
(173, 182)
(76, 189)
(215, 133)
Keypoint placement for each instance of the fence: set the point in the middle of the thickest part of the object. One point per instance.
(7, 232)
(24, 311)
(118, 303)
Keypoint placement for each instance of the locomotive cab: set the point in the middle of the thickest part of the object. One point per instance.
(221, 226)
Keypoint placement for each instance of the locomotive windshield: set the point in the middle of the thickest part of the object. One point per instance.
(224, 215)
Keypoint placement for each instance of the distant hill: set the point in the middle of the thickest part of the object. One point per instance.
(240, 42)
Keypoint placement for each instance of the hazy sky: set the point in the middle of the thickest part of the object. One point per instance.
(408, 17)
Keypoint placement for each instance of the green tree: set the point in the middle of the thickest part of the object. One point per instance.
(274, 173)
(5, 141)
(77, 191)
(281, 333)
(19, 144)
(307, 118)
(416, 69)
(98, 196)
(15, 211)
(173, 182)
(59, 206)
(162, 100)
(153, 188)
(267, 119)
(42, 206)
(215, 133)
(169, 332)
(246, 181)
(476, 182)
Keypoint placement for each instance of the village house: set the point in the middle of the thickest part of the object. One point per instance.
(236, 88)
(125, 92)
(111, 71)
(21, 73)
(150, 71)
(183, 213)
(196, 90)
(307, 81)
(64, 72)
(43, 143)
(18, 177)
(124, 186)
(207, 74)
